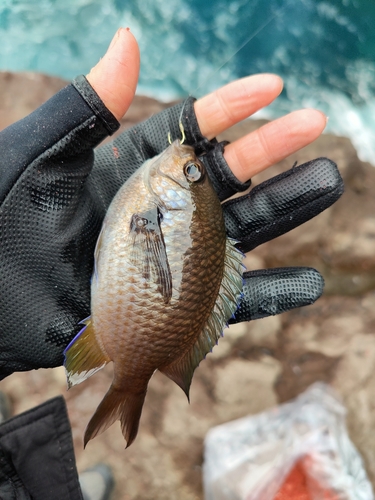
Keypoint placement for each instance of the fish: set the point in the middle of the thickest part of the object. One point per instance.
(166, 280)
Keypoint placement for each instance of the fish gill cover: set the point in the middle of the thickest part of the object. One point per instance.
(324, 50)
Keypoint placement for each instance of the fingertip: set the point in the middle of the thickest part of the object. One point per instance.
(313, 120)
(272, 82)
(324, 117)
(236, 101)
(265, 83)
(273, 142)
(280, 81)
(115, 76)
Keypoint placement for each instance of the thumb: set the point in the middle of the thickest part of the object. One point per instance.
(115, 76)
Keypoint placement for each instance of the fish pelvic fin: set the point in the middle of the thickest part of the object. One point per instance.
(121, 405)
(182, 370)
(83, 356)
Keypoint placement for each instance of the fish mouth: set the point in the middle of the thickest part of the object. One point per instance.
(182, 149)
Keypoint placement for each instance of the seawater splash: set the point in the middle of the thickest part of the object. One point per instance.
(324, 50)
(345, 118)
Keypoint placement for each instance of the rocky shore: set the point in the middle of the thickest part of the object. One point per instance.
(256, 365)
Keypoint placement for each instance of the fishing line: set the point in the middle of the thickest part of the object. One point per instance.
(247, 40)
(255, 33)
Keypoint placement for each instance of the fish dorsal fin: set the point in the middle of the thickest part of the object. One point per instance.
(181, 371)
(83, 356)
(148, 252)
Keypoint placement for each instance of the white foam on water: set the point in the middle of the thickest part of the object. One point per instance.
(346, 118)
(67, 38)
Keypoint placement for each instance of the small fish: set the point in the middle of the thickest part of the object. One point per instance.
(165, 282)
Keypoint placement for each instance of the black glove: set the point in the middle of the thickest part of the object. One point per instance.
(54, 192)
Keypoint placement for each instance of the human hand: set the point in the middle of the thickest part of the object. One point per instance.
(54, 194)
(269, 210)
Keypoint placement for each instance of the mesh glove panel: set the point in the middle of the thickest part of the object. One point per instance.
(54, 192)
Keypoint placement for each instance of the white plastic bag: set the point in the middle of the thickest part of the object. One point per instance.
(250, 458)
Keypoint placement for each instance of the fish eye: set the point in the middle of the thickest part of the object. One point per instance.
(193, 172)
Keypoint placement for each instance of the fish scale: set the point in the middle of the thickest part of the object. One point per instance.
(166, 281)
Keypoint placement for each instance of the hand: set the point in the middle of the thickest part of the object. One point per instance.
(218, 111)
(54, 193)
(253, 219)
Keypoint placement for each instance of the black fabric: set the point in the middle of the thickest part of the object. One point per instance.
(269, 292)
(55, 190)
(95, 103)
(193, 134)
(36, 455)
(222, 178)
(23, 142)
(282, 203)
(49, 222)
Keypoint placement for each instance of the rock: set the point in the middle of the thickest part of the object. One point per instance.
(340, 242)
(334, 341)
(256, 364)
(21, 93)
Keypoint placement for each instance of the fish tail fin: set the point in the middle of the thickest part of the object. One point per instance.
(121, 405)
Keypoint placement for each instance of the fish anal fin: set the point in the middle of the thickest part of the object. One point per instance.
(117, 404)
(181, 370)
(83, 356)
(148, 251)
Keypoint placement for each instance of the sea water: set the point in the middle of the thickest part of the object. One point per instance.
(324, 50)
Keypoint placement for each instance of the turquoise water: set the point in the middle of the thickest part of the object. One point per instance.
(324, 50)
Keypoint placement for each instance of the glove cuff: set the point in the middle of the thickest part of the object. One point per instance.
(192, 131)
(211, 154)
(82, 85)
(224, 181)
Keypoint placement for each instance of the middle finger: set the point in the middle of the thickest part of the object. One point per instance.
(234, 102)
(273, 142)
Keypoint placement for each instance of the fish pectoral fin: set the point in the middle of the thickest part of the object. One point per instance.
(148, 252)
(83, 356)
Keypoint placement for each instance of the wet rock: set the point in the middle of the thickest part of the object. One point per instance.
(23, 92)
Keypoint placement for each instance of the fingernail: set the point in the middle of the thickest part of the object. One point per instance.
(114, 39)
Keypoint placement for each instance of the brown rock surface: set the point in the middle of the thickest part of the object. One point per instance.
(256, 365)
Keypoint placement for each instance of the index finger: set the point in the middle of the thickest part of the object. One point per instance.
(236, 101)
